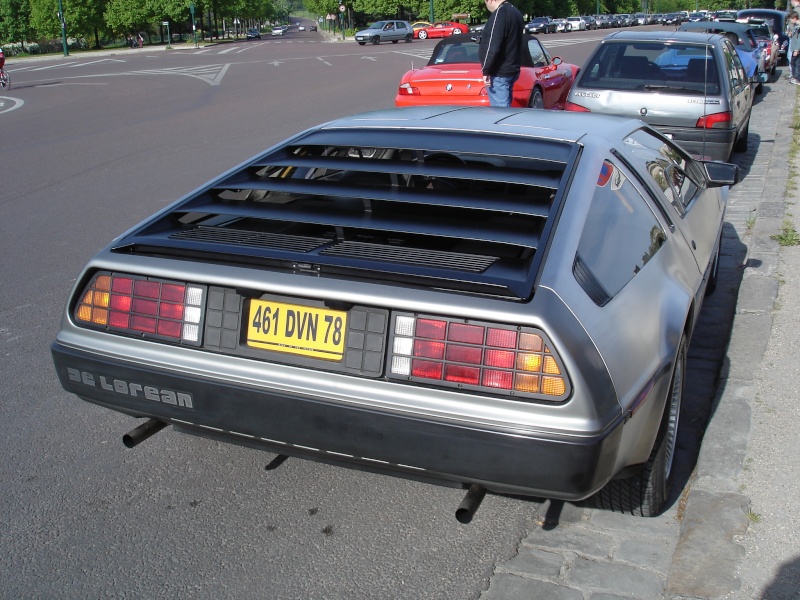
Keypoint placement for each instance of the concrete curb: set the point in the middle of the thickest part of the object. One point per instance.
(707, 557)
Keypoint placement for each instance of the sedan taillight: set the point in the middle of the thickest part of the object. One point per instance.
(498, 359)
(144, 307)
(720, 120)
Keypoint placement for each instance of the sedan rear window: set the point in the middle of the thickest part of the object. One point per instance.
(652, 67)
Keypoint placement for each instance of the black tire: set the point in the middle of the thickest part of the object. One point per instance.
(742, 138)
(712, 275)
(423, 35)
(537, 100)
(376, 40)
(645, 493)
(409, 38)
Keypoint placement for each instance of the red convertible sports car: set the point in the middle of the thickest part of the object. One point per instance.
(441, 29)
(453, 76)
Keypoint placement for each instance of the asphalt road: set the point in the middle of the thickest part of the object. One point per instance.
(91, 145)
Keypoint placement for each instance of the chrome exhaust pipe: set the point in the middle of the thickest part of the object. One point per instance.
(470, 504)
(142, 432)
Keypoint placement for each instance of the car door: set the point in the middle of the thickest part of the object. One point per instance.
(552, 78)
(741, 95)
(402, 29)
(692, 207)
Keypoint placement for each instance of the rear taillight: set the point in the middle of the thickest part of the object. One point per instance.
(144, 307)
(497, 359)
(721, 120)
(406, 89)
(575, 107)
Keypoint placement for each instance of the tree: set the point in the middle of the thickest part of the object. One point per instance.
(15, 18)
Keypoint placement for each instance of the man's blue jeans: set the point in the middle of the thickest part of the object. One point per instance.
(500, 90)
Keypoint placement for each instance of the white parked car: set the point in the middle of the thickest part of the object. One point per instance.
(577, 23)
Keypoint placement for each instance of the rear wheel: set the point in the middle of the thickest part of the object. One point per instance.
(741, 140)
(409, 38)
(376, 40)
(536, 101)
(5, 81)
(456, 31)
(645, 493)
(423, 35)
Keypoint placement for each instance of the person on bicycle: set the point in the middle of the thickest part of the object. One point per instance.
(2, 59)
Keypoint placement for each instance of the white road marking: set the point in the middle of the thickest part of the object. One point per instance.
(7, 104)
(322, 60)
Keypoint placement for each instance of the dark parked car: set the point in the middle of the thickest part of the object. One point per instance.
(776, 20)
(542, 25)
(490, 299)
(691, 86)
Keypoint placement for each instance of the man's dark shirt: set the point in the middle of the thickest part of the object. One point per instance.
(501, 42)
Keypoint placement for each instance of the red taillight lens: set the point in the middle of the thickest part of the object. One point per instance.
(575, 107)
(506, 360)
(143, 307)
(406, 89)
(721, 120)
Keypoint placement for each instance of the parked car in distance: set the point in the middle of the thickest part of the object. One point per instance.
(744, 39)
(562, 26)
(419, 25)
(590, 21)
(441, 29)
(453, 76)
(576, 23)
(770, 43)
(541, 25)
(253, 34)
(385, 31)
(776, 20)
(725, 15)
(506, 306)
(690, 86)
(278, 30)
(603, 21)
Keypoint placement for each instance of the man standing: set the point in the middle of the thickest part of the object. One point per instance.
(501, 43)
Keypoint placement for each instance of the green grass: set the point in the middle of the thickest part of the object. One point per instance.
(788, 235)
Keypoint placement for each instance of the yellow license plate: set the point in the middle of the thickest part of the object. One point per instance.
(296, 329)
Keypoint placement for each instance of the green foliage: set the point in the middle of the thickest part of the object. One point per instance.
(15, 17)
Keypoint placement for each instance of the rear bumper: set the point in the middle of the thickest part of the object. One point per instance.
(408, 445)
(714, 143)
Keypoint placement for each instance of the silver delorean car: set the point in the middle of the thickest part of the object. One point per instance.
(493, 299)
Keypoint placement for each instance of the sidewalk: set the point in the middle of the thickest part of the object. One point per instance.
(734, 531)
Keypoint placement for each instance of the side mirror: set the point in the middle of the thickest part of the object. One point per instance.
(557, 61)
(720, 173)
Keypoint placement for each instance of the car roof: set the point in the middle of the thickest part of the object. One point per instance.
(689, 37)
(717, 25)
(557, 125)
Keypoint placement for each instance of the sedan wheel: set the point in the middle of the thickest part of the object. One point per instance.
(376, 40)
(423, 35)
(409, 38)
(645, 493)
(456, 32)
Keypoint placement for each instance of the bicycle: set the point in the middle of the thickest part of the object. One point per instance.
(5, 80)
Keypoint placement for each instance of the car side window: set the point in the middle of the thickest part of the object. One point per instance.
(401, 25)
(620, 236)
(538, 55)
(676, 177)
(733, 65)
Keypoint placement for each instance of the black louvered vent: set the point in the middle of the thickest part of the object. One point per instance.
(446, 209)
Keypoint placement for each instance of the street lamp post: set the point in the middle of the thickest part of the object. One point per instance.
(63, 28)
(169, 37)
(431, 11)
(194, 29)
